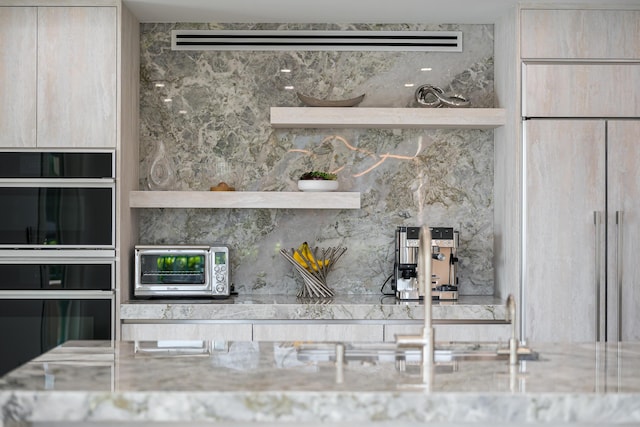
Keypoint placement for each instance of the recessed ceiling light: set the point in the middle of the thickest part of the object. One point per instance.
(409, 84)
(288, 87)
(426, 69)
(167, 100)
(159, 84)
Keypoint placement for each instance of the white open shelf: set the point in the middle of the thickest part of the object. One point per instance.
(390, 118)
(244, 199)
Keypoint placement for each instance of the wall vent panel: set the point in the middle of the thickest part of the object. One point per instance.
(434, 41)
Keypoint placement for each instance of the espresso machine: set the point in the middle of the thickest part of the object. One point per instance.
(444, 259)
(406, 264)
(444, 263)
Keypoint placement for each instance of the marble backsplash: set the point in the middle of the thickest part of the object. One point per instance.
(209, 112)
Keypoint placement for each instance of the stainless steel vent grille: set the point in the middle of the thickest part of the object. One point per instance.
(440, 41)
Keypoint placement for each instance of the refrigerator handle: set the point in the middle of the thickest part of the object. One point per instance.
(619, 266)
(597, 255)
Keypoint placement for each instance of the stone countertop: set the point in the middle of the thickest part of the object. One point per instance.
(298, 383)
(289, 307)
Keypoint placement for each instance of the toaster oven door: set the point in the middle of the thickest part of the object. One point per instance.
(172, 272)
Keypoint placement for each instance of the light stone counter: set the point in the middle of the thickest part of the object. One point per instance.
(293, 384)
(289, 307)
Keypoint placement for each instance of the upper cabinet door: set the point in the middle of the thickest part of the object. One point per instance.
(77, 71)
(581, 90)
(18, 33)
(580, 34)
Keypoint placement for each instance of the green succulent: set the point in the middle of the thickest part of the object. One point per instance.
(319, 175)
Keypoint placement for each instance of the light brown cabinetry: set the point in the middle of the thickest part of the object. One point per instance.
(311, 330)
(581, 90)
(582, 226)
(564, 188)
(187, 331)
(63, 84)
(455, 332)
(580, 34)
(18, 41)
(256, 331)
(317, 331)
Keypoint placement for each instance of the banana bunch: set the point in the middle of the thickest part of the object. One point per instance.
(304, 256)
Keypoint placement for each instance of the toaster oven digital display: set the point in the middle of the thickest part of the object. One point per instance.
(220, 258)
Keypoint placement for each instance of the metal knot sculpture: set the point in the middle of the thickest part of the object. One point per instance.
(433, 96)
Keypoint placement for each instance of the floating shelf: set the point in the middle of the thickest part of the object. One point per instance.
(244, 199)
(389, 118)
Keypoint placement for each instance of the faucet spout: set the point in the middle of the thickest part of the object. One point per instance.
(426, 339)
(513, 341)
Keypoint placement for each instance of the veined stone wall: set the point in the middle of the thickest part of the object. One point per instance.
(210, 112)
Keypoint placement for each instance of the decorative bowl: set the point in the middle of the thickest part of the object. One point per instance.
(317, 185)
(315, 102)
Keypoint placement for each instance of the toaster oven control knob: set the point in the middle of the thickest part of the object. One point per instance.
(220, 288)
(219, 277)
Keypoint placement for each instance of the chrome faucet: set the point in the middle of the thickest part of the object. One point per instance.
(426, 339)
(513, 341)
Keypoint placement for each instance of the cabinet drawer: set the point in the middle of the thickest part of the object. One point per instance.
(317, 332)
(186, 331)
(581, 90)
(460, 332)
(580, 34)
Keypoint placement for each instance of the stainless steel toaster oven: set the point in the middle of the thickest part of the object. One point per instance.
(182, 271)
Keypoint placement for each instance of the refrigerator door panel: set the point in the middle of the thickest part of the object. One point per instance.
(623, 238)
(563, 271)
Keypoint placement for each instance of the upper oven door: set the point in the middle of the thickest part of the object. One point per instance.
(58, 200)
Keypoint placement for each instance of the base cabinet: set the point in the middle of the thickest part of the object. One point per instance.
(453, 332)
(317, 332)
(187, 331)
(310, 331)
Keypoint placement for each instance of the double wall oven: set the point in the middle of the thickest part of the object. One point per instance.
(57, 250)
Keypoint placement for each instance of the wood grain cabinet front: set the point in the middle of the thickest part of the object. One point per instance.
(59, 77)
(186, 331)
(587, 34)
(466, 332)
(317, 331)
(18, 42)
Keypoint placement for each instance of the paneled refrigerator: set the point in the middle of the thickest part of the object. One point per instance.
(581, 230)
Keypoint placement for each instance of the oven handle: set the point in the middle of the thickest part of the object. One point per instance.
(57, 294)
(58, 182)
(30, 256)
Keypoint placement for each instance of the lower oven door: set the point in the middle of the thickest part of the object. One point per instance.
(67, 270)
(31, 324)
